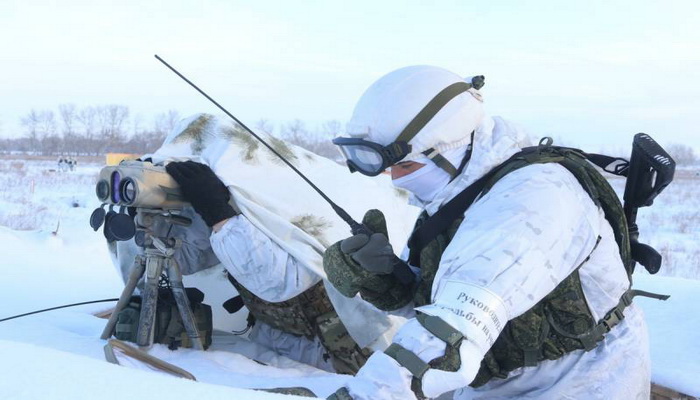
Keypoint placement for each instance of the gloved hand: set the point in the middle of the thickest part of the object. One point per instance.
(342, 263)
(203, 189)
(373, 253)
(382, 377)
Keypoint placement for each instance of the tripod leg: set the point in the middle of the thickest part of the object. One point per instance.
(134, 276)
(147, 319)
(183, 304)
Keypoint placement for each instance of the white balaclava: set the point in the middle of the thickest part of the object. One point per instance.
(390, 103)
(428, 181)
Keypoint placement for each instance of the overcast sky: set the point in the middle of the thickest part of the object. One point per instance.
(590, 72)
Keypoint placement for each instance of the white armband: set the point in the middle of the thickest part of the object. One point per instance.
(478, 313)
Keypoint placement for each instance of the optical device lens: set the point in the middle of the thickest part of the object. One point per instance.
(128, 191)
(102, 190)
(116, 179)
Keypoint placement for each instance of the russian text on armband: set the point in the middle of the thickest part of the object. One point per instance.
(478, 313)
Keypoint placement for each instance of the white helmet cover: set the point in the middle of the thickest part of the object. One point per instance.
(390, 103)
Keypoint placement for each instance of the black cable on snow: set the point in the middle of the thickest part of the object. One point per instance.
(56, 308)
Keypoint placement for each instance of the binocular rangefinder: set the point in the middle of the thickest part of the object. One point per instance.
(139, 184)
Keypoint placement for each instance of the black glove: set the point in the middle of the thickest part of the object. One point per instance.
(374, 253)
(364, 264)
(203, 189)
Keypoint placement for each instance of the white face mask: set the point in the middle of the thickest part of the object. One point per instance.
(425, 182)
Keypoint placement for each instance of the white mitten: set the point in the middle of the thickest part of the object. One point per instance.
(414, 337)
(381, 378)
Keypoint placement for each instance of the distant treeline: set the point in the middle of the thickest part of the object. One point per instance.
(97, 130)
(89, 131)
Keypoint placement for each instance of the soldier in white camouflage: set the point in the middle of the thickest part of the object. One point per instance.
(526, 294)
(290, 311)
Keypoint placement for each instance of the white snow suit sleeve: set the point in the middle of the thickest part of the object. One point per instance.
(515, 245)
(258, 263)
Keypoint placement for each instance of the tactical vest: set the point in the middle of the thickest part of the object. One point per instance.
(310, 314)
(559, 323)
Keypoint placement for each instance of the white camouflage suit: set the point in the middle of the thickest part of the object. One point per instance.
(265, 248)
(257, 262)
(516, 244)
(272, 274)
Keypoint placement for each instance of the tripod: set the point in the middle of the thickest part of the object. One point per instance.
(155, 258)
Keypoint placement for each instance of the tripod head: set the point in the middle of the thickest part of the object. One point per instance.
(153, 229)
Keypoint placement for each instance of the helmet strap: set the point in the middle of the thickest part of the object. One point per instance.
(431, 109)
(441, 161)
(445, 164)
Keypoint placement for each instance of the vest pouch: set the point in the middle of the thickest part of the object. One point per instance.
(346, 356)
(203, 320)
(171, 328)
(128, 321)
(168, 328)
(528, 333)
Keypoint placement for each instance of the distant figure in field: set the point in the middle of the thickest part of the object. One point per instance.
(62, 164)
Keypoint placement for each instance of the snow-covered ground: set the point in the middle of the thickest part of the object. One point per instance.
(58, 355)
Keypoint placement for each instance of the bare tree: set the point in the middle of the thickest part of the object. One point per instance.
(68, 113)
(116, 118)
(265, 126)
(69, 117)
(295, 132)
(47, 123)
(110, 125)
(165, 122)
(319, 142)
(30, 122)
(682, 154)
(87, 119)
(324, 142)
(136, 125)
(332, 128)
(39, 125)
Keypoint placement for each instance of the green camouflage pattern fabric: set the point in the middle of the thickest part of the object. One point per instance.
(168, 328)
(383, 291)
(430, 259)
(545, 332)
(346, 356)
(295, 316)
(195, 133)
(311, 315)
(292, 391)
(340, 394)
(558, 324)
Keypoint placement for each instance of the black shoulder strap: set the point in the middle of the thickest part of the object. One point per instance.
(452, 210)
(613, 165)
(455, 208)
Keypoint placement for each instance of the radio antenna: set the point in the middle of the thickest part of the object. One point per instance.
(338, 210)
(401, 269)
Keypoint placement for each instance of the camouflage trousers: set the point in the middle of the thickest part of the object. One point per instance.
(310, 315)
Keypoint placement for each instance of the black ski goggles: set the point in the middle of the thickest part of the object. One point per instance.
(369, 158)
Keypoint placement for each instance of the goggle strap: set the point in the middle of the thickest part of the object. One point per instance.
(441, 162)
(397, 151)
(431, 109)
